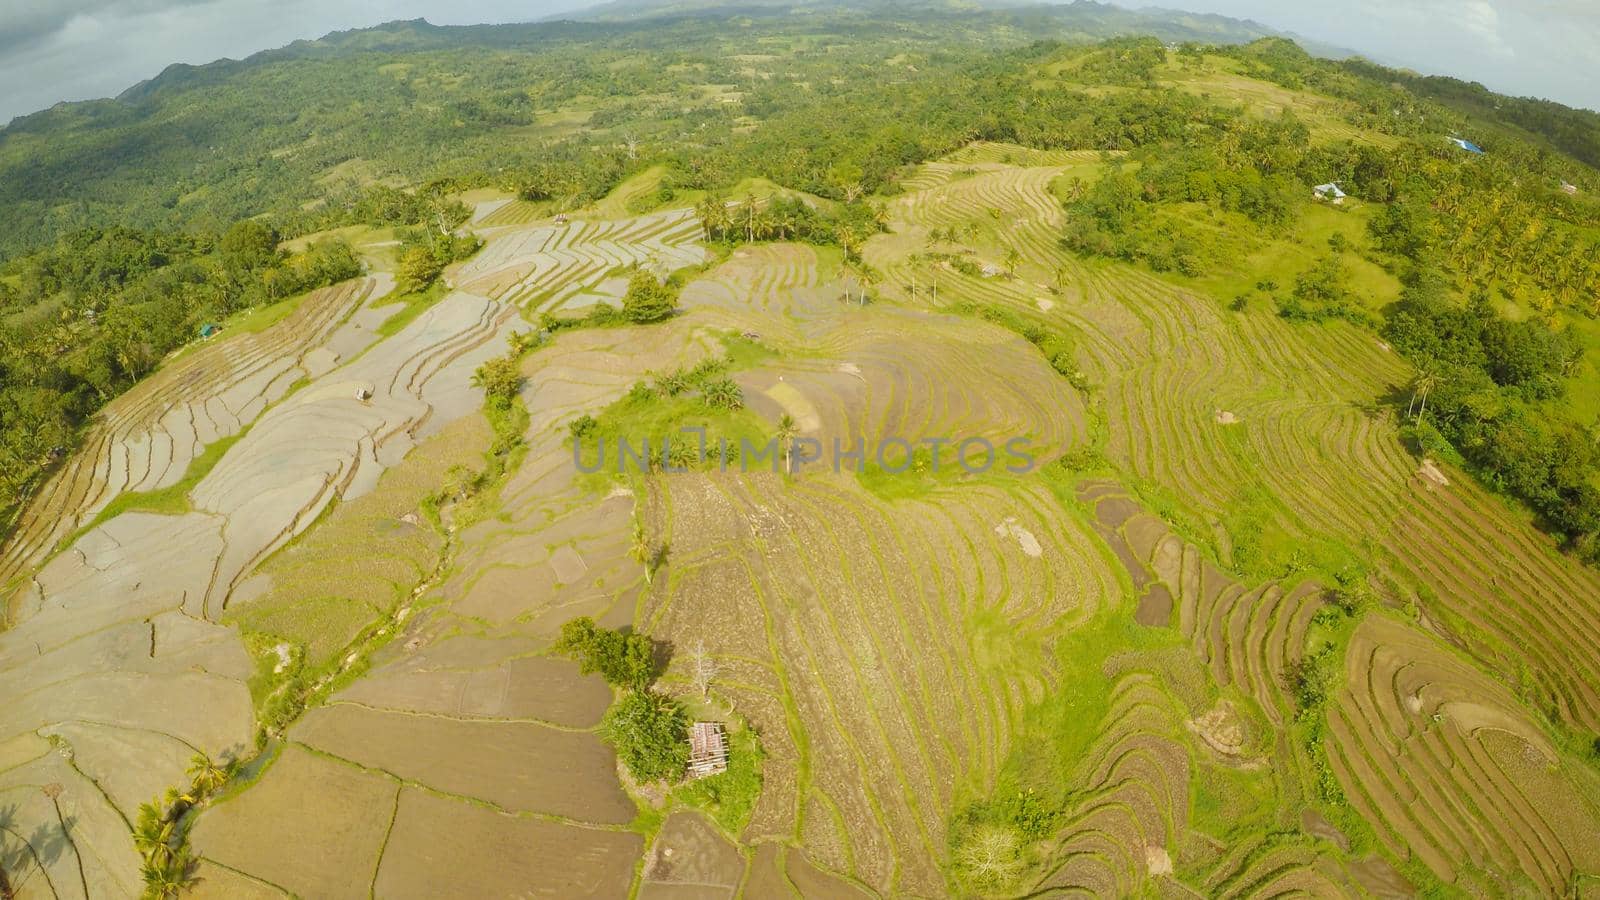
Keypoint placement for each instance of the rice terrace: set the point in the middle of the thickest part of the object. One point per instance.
(907, 450)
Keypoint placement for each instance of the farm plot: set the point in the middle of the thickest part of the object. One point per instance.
(115, 654)
(1248, 638)
(882, 372)
(854, 662)
(1334, 468)
(1273, 435)
(146, 438)
(490, 774)
(549, 267)
(1447, 765)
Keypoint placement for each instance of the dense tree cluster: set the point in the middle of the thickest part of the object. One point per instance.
(1482, 381)
(647, 299)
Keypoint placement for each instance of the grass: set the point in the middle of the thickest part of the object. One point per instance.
(412, 305)
(899, 478)
(651, 414)
(729, 798)
(172, 500)
(260, 318)
(1250, 264)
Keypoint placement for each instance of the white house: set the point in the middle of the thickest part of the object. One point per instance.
(1329, 192)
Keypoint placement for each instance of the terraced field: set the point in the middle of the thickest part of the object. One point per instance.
(146, 439)
(120, 671)
(571, 265)
(1218, 408)
(854, 663)
(1130, 636)
(1454, 771)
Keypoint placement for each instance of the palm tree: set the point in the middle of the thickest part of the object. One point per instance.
(846, 236)
(708, 209)
(1012, 258)
(206, 775)
(786, 432)
(152, 834)
(640, 551)
(1427, 379)
(166, 878)
(749, 218)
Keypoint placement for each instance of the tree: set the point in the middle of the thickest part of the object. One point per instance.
(640, 550)
(722, 393)
(786, 432)
(1012, 259)
(702, 667)
(650, 732)
(647, 299)
(625, 660)
(250, 244)
(152, 833)
(991, 855)
(167, 878)
(1427, 379)
(206, 775)
(418, 268)
(500, 379)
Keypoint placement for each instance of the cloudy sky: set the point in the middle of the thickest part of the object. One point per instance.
(1539, 48)
(52, 50)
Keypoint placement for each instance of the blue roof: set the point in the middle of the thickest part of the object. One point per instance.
(1467, 145)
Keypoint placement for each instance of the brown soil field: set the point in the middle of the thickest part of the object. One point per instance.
(518, 766)
(340, 819)
(442, 847)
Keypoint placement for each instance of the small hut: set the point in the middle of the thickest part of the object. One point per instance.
(1329, 192)
(209, 329)
(1571, 190)
(708, 749)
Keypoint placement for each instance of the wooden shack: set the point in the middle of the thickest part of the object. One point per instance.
(708, 749)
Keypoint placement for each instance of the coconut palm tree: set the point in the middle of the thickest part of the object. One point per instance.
(786, 432)
(1012, 259)
(750, 213)
(1427, 379)
(166, 878)
(152, 833)
(206, 775)
(640, 551)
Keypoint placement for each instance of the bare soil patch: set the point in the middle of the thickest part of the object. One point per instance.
(337, 814)
(447, 848)
(1155, 606)
(688, 851)
(515, 765)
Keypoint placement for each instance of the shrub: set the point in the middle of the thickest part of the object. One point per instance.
(625, 660)
(647, 299)
(649, 732)
(500, 378)
(722, 393)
